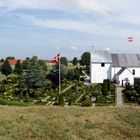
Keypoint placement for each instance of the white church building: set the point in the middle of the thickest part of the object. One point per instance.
(119, 68)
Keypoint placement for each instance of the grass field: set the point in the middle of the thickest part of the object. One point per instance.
(69, 123)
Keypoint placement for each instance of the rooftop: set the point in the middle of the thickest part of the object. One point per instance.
(117, 60)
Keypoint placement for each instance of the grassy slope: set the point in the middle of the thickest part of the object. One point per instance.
(56, 123)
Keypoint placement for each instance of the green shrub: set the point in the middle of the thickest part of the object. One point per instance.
(108, 84)
(2, 87)
(138, 100)
(21, 96)
(26, 97)
(12, 102)
(105, 88)
(86, 102)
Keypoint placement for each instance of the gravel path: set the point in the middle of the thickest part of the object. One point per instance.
(119, 97)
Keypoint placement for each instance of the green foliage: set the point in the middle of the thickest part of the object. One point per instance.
(137, 88)
(130, 93)
(74, 74)
(85, 59)
(18, 68)
(64, 61)
(43, 64)
(53, 76)
(6, 68)
(2, 60)
(10, 58)
(138, 100)
(2, 87)
(21, 97)
(35, 76)
(4, 101)
(25, 63)
(97, 89)
(26, 97)
(108, 84)
(75, 61)
(105, 88)
(86, 101)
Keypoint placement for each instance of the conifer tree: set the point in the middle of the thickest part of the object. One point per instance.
(35, 77)
(6, 68)
(18, 68)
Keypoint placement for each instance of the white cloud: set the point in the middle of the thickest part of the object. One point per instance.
(86, 26)
(90, 6)
(74, 48)
(107, 49)
(112, 11)
(65, 24)
(93, 6)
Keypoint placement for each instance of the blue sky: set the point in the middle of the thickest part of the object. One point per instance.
(45, 27)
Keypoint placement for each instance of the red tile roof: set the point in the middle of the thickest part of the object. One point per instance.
(11, 62)
(1, 63)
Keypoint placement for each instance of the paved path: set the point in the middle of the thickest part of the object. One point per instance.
(119, 97)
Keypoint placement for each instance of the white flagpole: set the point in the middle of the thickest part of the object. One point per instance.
(59, 76)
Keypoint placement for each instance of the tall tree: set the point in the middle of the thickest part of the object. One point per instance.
(25, 63)
(18, 68)
(43, 64)
(10, 58)
(6, 68)
(54, 74)
(2, 60)
(75, 61)
(85, 59)
(64, 61)
(35, 76)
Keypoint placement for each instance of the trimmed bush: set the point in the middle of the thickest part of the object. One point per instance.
(86, 101)
(105, 88)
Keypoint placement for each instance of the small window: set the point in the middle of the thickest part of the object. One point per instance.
(133, 72)
(102, 64)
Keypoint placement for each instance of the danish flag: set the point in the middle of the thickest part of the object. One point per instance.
(130, 39)
(56, 58)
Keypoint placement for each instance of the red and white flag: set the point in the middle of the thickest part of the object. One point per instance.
(130, 39)
(56, 58)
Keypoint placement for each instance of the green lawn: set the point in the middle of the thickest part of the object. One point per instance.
(69, 123)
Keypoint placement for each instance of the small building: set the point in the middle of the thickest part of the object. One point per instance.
(119, 68)
(12, 62)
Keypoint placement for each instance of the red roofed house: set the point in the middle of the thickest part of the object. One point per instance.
(12, 62)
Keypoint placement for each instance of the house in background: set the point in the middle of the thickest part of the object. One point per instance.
(119, 68)
(12, 62)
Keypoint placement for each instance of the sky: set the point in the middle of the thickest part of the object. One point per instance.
(71, 27)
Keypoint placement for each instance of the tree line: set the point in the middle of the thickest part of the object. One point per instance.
(34, 77)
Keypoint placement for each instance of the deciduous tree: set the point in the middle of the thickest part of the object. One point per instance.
(64, 61)
(75, 61)
(85, 59)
